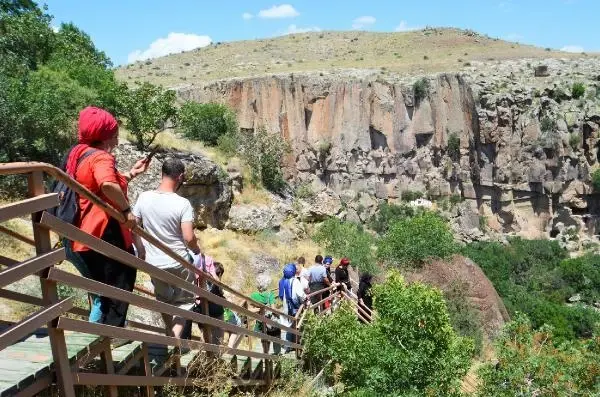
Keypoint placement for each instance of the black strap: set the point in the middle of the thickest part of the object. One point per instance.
(84, 156)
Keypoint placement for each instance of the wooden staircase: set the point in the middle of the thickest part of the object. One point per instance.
(56, 348)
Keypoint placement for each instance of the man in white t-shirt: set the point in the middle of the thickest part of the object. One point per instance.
(169, 218)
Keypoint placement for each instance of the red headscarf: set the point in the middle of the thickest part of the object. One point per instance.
(95, 125)
(345, 262)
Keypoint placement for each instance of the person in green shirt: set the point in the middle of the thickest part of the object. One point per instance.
(267, 298)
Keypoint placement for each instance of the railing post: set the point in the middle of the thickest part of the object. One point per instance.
(109, 366)
(43, 244)
(147, 369)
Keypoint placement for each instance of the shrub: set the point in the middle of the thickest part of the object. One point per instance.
(421, 89)
(263, 152)
(207, 122)
(454, 146)
(389, 213)
(228, 144)
(347, 239)
(596, 180)
(304, 191)
(412, 241)
(464, 317)
(547, 124)
(534, 277)
(577, 90)
(529, 363)
(410, 195)
(410, 349)
(574, 140)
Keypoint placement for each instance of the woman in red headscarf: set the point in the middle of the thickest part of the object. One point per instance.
(341, 274)
(92, 164)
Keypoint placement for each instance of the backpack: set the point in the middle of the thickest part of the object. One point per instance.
(68, 207)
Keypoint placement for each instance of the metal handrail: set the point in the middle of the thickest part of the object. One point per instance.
(28, 167)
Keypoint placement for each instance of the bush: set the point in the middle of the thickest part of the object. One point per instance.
(409, 195)
(596, 180)
(347, 239)
(410, 349)
(529, 363)
(263, 153)
(454, 146)
(464, 316)
(574, 140)
(421, 89)
(547, 124)
(228, 144)
(389, 213)
(413, 241)
(207, 122)
(304, 191)
(577, 90)
(536, 278)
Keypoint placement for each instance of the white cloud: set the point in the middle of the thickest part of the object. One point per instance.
(246, 16)
(280, 11)
(362, 22)
(173, 43)
(403, 27)
(293, 29)
(572, 48)
(55, 28)
(513, 37)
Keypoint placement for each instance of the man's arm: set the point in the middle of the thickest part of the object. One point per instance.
(189, 237)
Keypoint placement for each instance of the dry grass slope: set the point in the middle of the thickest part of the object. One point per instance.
(404, 53)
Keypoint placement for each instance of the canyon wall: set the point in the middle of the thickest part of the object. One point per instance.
(519, 149)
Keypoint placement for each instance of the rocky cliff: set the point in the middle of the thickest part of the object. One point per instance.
(513, 138)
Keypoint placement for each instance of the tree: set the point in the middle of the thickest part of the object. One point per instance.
(207, 122)
(412, 241)
(147, 109)
(530, 363)
(347, 239)
(409, 349)
(387, 214)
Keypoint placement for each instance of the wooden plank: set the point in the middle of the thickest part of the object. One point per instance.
(6, 261)
(117, 332)
(36, 387)
(16, 235)
(33, 322)
(28, 206)
(147, 369)
(131, 380)
(131, 362)
(75, 234)
(154, 305)
(43, 244)
(31, 266)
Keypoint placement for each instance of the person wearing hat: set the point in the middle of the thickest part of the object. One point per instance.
(341, 273)
(92, 164)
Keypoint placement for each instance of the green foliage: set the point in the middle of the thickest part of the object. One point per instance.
(574, 140)
(207, 122)
(147, 109)
(264, 152)
(421, 89)
(547, 124)
(304, 191)
(410, 349)
(409, 195)
(413, 241)
(464, 317)
(454, 146)
(387, 214)
(530, 364)
(596, 180)
(581, 275)
(347, 239)
(536, 278)
(228, 144)
(577, 90)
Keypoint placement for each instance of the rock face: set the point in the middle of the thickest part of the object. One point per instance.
(207, 186)
(519, 148)
(478, 288)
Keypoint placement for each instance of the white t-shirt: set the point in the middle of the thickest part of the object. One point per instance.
(162, 214)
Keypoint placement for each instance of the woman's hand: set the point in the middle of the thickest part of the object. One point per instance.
(130, 220)
(139, 167)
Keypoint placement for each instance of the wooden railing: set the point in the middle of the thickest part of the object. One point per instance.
(60, 315)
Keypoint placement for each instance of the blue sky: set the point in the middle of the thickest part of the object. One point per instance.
(129, 30)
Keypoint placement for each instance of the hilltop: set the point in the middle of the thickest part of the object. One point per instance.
(402, 53)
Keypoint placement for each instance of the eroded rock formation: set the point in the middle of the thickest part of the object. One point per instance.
(521, 147)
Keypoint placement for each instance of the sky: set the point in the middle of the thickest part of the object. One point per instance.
(131, 30)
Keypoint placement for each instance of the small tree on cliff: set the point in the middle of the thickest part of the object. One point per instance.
(263, 152)
(207, 122)
(147, 109)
